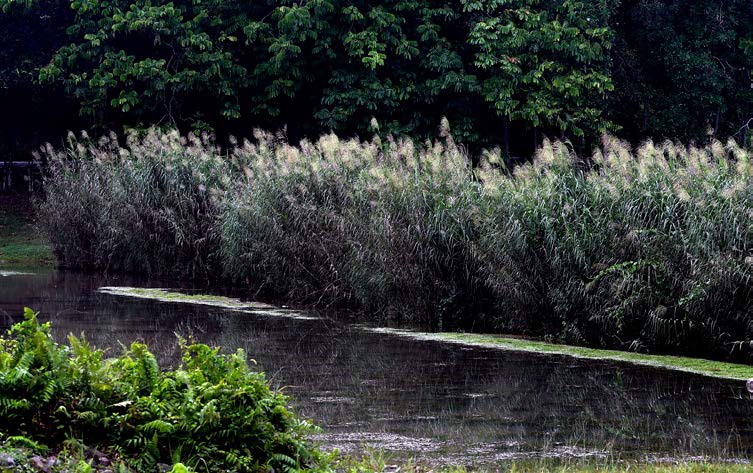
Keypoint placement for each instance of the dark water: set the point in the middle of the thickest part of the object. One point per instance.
(438, 402)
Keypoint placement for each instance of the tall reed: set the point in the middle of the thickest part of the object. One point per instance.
(370, 224)
(146, 206)
(649, 250)
(646, 249)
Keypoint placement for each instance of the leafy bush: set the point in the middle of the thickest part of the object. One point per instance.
(212, 410)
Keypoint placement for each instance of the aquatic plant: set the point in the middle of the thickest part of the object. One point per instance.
(213, 410)
(382, 226)
(649, 250)
(646, 249)
(145, 207)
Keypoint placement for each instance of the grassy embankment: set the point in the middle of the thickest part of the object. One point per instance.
(28, 460)
(378, 462)
(22, 244)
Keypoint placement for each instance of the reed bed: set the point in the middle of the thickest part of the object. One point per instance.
(646, 249)
(143, 207)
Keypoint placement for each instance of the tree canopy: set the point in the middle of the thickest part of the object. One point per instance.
(568, 68)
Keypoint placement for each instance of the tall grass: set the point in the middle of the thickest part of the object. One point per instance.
(380, 225)
(649, 250)
(142, 207)
(646, 249)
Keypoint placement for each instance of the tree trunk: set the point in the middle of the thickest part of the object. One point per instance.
(506, 136)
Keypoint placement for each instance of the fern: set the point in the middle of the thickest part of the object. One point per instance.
(213, 410)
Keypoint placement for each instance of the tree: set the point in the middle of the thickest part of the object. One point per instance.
(680, 71)
(543, 63)
(29, 37)
(151, 60)
(404, 63)
(494, 68)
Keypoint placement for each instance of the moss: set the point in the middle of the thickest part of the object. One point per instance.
(164, 295)
(718, 369)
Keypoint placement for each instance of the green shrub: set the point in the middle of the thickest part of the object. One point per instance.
(211, 411)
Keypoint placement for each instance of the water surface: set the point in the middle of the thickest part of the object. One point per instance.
(423, 399)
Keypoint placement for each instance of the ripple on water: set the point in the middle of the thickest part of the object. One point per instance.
(417, 395)
(355, 441)
(333, 400)
(7, 273)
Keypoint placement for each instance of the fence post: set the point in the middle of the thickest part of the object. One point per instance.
(5, 175)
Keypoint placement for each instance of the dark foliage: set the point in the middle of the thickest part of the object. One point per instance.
(506, 73)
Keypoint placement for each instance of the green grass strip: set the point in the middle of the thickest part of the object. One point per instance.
(164, 295)
(21, 243)
(717, 369)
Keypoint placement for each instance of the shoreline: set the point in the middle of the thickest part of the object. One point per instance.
(699, 366)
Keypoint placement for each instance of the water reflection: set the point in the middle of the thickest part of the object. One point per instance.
(420, 398)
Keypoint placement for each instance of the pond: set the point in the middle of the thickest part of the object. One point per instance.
(426, 400)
